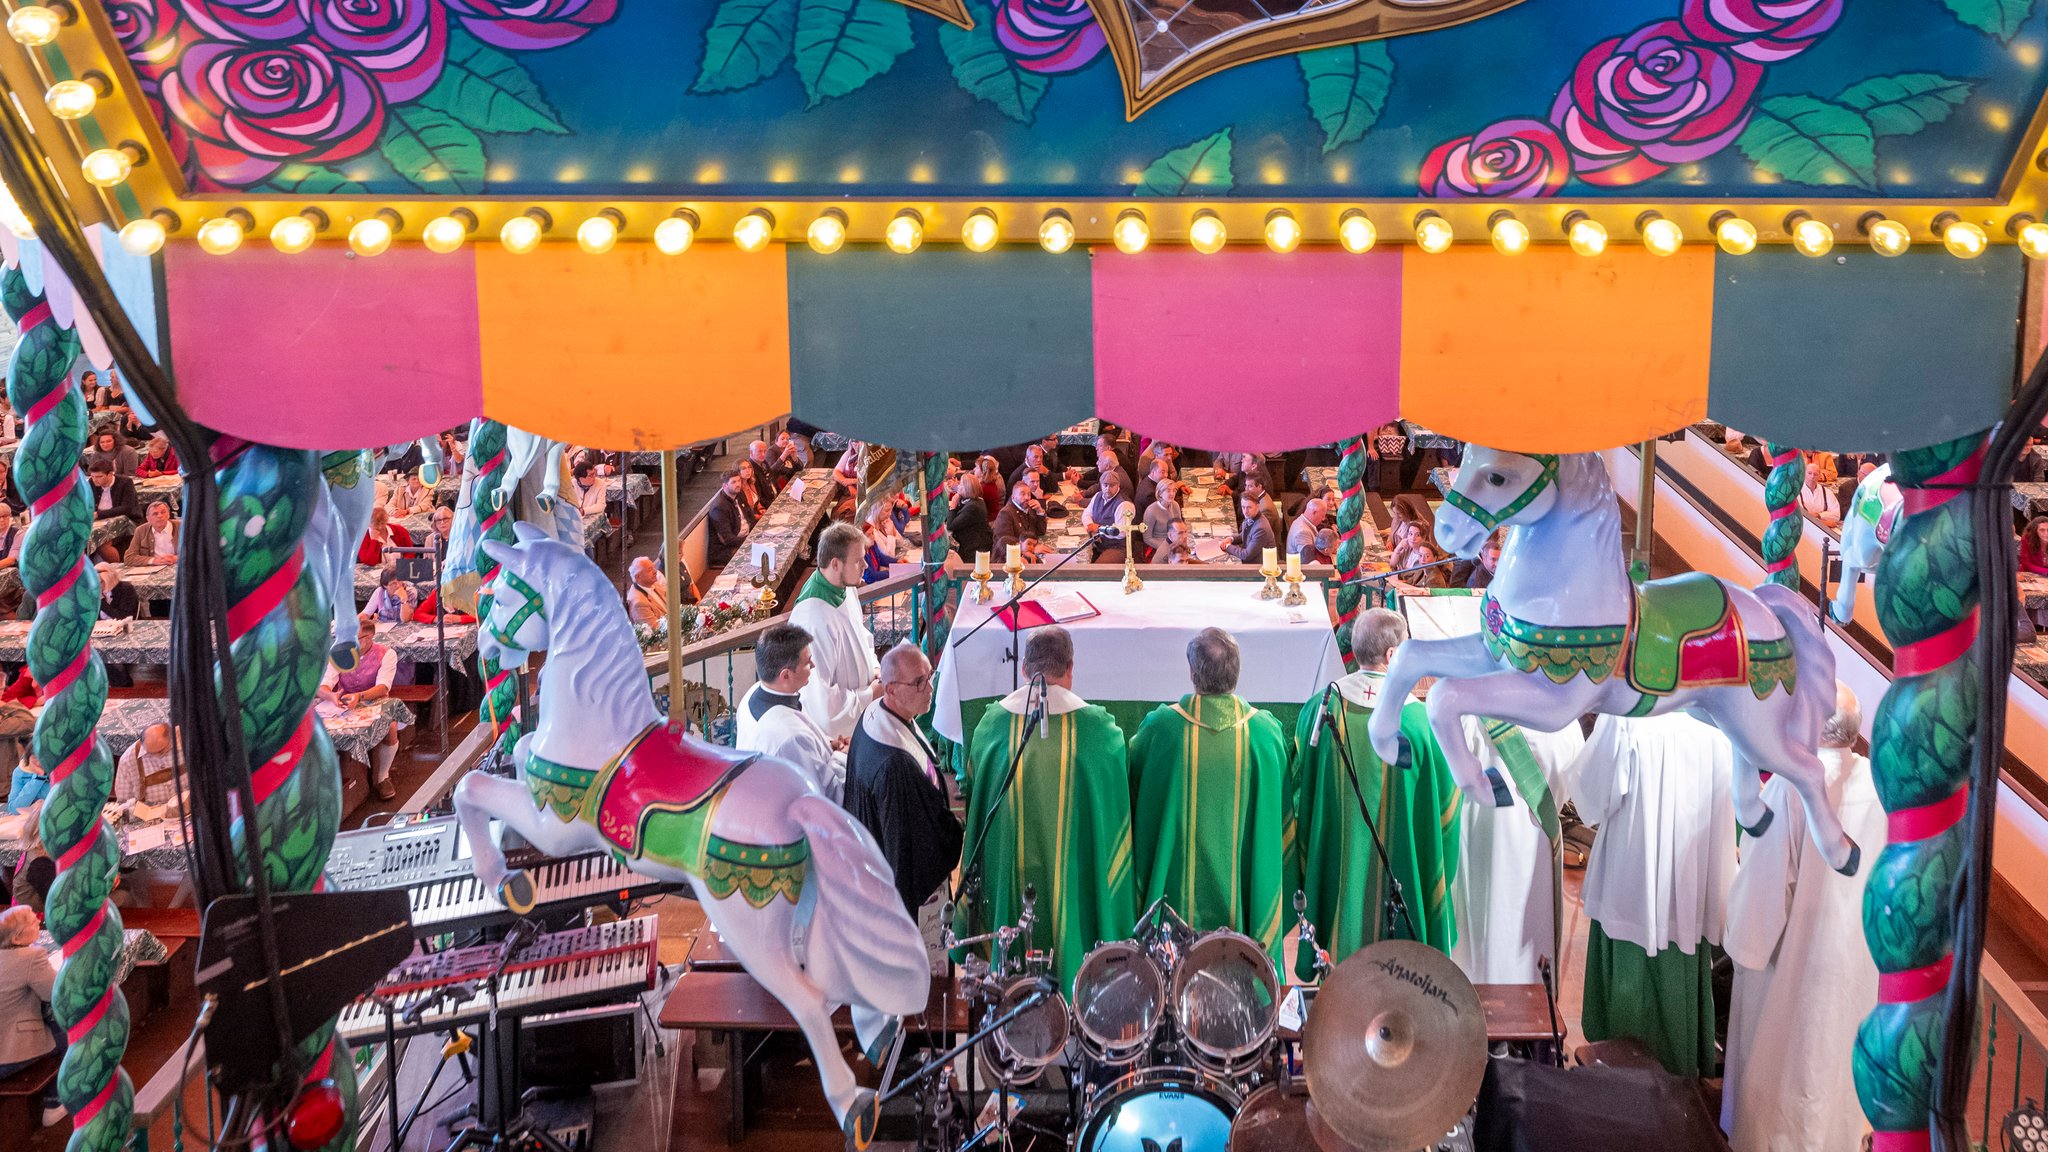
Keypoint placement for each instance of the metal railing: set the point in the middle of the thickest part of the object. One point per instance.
(2011, 1070)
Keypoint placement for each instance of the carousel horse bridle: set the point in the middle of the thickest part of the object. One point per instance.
(1493, 520)
(530, 606)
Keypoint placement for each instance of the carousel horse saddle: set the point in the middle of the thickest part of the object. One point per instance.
(1687, 635)
(661, 773)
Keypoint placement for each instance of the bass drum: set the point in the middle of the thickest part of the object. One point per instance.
(1274, 1119)
(1160, 1108)
(1119, 1000)
(1226, 999)
(1018, 1052)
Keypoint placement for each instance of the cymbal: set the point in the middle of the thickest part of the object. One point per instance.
(1394, 1049)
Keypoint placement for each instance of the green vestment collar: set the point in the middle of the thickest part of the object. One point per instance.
(1214, 713)
(819, 588)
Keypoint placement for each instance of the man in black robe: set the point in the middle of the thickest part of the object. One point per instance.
(894, 784)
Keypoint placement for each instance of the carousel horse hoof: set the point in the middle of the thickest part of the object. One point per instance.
(1404, 757)
(546, 502)
(515, 892)
(862, 1119)
(1854, 862)
(1762, 826)
(344, 656)
(1502, 798)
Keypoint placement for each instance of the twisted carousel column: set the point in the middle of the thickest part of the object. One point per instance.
(1781, 497)
(501, 685)
(87, 1003)
(938, 590)
(1350, 540)
(1921, 740)
(278, 628)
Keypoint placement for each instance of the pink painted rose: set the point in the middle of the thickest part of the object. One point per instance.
(148, 33)
(1048, 36)
(402, 42)
(529, 25)
(1766, 31)
(1637, 105)
(1508, 160)
(264, 20)
(253, 107)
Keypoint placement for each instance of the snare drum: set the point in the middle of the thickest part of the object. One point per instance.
(1160, 1108)
(1226, 999)
(1119, 1000)
(1018, 1052)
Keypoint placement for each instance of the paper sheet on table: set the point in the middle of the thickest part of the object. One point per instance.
(795, 491)
(328, 709)
(1209, 549)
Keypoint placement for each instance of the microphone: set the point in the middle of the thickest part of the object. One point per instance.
(1044, 725)
(1315, 730)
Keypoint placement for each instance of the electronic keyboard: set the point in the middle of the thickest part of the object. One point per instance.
(401, 854)
(434, 992)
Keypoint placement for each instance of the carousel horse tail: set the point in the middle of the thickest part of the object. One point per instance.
(863, 950)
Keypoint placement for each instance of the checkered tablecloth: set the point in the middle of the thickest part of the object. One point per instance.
(354, 732)
(149, 641)
(788, 524)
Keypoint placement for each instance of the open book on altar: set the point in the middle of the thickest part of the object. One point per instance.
(1061, 607)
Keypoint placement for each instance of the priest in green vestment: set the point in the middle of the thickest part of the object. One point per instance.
(1064, 825)
(1209, 816)
(1415, 810)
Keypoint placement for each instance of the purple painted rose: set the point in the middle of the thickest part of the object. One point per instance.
(1509, 160)
(148, 33)
(529, 25)
(402, 42)
(264, 20)
(250, 108)
(1637, 105)
(1761, 30)
(1048, 36)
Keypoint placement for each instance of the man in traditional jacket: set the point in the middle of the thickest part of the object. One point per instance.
(772, 719)
(841, 645)
(1415, 809)
(1063, 826)
(893, 782)
(1209, 818)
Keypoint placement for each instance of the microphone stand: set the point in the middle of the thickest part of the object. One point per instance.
(1034, 712)
(1017, 633)
(1394, 904)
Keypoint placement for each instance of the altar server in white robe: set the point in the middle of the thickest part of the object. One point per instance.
(772, 720)
(1657, 885)
(847, 675)
(1803, 976)
(1505, 895)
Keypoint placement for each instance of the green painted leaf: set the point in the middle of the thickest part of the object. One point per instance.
(1811, 141)
(433, 150)
(747, 42)
(986, 72)
(1203, 166)
(1904, 104)
(2001, 18)
(1347, 89)
(843, 44)
(306, 180)
(490, 91)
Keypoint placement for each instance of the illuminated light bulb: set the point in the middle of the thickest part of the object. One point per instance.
(223, 234)
(34, 25)
(106, 167)
(905, 232)
(71, 99)
(597, 234)
(753, 231)
(445, 234)
(1887, 237)
(521, 234)
(1283, 231)
(1355, 232)
(674, 235)
(1510, 236)
(828, 232)
(294, 234)
(1206, 233)
(1736, 236)
(1432, 232)
(1131, 232)
(372, 235)
(144, 237)
(1056, 232)
(2031, 234)
(1661, 235)
(980, 232)
(1810, 237)
(1964, 240)
(1587, 236)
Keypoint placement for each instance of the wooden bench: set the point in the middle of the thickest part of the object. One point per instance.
(414, 693)
(21, 1101)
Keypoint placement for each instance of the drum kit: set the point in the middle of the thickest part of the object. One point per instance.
(1173, 1041)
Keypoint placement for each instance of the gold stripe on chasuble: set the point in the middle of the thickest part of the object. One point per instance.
(1065, 728)
(1237, 825)
(1192, 766)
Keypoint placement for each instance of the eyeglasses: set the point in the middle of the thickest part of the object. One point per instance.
(920, 682)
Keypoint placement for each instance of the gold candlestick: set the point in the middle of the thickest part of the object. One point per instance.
(1013, 563)
(1293, 578)
(1271, 571)
(765, 606)
(1130, 529)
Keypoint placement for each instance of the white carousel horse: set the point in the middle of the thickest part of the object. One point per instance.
(1866, 528)
(795, 886)
(1564, 633)
(339, 522)
(530, 485)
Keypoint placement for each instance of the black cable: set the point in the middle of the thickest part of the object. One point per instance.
(1033, 715)
(1394, 900)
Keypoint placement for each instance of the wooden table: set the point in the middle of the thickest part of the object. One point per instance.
(788, 523)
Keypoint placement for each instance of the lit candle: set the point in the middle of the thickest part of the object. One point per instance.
(1014, 558)
(1271, 560)
(1294, 565)
(981, 567)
